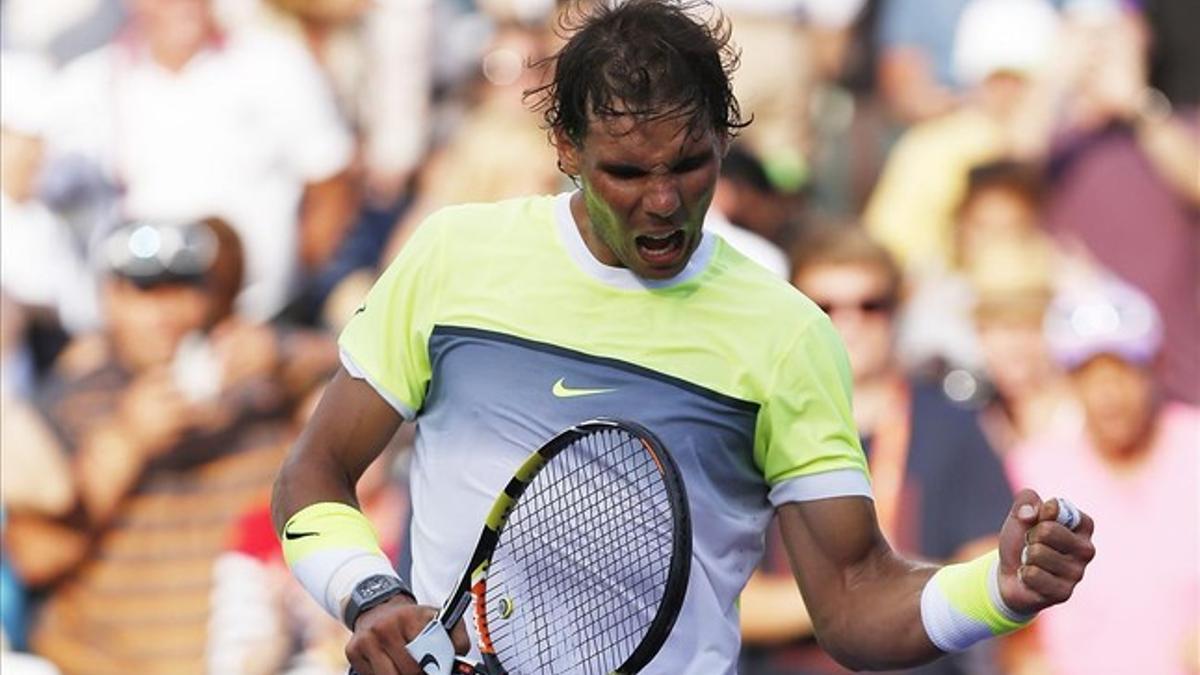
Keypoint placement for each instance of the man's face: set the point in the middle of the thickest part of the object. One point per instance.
(996, 215)
(646, 187)
(1014, 353)
(858, 301)
(147, 324)
(1118, 403)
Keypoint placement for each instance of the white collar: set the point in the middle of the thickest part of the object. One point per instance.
(620, 277)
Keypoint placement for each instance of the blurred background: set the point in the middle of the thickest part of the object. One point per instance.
(997, 202)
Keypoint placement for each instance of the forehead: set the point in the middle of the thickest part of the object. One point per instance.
(648, 142)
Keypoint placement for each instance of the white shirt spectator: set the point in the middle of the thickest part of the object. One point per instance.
(750, 244)
(236, 133)
(36, 259)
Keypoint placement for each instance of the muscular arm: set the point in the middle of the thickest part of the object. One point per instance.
(865, 601)
(349, 429)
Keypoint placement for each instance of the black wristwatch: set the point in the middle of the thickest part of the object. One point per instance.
(372, 591)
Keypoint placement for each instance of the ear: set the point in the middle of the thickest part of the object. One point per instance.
(569, 159)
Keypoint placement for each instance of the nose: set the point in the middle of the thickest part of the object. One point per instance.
(662, 198)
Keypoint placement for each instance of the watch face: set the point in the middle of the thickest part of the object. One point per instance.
(374, 586)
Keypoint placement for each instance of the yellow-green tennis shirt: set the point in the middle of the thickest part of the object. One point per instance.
(495, 328)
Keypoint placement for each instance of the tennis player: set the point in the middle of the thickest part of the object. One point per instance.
(500, 324)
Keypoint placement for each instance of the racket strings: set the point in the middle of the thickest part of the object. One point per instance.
(583, 560)
(561, 574)
(591, 639)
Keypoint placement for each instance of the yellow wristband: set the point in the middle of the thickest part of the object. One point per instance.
(961, 604)
(324, 526)
(330, 547)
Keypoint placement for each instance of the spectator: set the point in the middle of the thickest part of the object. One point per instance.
(939, 488)
(850, 128)
(749, 213)
(1134, 463)
(192, 122)
(41, 264)
(61, 30)
(175, 429)
(916, 57)
(1028, 395)
(998, 219)
(263, 622)
(770, 33)
(497, 151)
(1000, 45)
(34, 479)
(378, 57)
(1124, 175)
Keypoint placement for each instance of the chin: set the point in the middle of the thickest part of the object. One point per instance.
(659, 274)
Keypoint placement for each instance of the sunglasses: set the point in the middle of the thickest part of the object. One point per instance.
(152, 253)
(879, 305)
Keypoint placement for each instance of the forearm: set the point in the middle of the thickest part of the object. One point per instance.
(43, 549)
(772, 610)
(348, 430)
(877, 625)
(865, 601)
(1173, 151)
(307, 479)
(107, 469)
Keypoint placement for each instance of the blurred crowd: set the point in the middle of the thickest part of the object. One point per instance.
(996, 201)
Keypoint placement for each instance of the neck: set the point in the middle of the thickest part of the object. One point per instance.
(172, 57)
(583, 222)
(874, 397)
(172, 49)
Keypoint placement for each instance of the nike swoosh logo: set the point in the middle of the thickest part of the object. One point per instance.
(429, 660)
(299, 535)
(561, 390)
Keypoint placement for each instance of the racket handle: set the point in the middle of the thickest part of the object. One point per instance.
(433, 650)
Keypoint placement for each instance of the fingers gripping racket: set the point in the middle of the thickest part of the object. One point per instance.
(582, 564)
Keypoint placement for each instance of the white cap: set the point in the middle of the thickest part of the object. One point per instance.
(1103, 316)
(1003, 36)
(25, 81)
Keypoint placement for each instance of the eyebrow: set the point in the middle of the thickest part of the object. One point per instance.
(690, 161)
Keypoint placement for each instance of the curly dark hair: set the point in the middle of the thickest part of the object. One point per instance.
(652, 59)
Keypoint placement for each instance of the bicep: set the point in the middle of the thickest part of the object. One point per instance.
(863, 599)
(828, 541)
(351, 425)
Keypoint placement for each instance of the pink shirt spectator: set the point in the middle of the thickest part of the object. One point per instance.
(1137, 609)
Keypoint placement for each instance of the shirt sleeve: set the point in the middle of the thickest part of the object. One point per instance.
(386, 341)
(807, 445)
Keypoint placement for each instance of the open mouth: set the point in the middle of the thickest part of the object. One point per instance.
(661, 250)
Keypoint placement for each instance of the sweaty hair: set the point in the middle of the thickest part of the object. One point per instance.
(847, 245)
(652, 59)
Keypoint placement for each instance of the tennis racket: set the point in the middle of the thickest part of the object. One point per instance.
(582, 565)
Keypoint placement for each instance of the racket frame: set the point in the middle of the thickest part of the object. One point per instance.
(473, 584)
